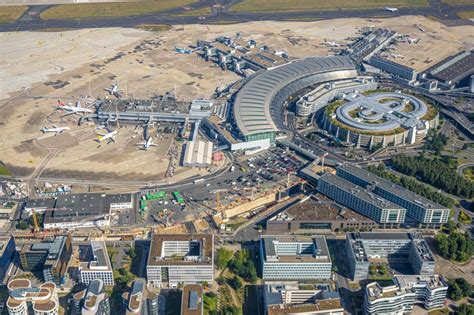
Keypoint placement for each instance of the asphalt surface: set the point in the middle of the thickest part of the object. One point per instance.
(31, 20)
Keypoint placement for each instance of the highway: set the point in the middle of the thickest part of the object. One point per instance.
(31, 20)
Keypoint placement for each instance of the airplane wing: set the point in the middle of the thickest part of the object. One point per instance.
(118, 94)
(69, 113)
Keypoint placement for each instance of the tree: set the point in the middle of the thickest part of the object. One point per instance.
(236, 283)
(231, 310)
(220, 280)
(22, 225)
(223, 257)
(243, 266)
(131, 252)
(455, 292)
(465, 309)
(459, 288)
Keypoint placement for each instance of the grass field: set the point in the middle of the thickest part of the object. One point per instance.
(9, 14)
(101, 10)
(197, 12)
(154, 27)
(457, 1)
(314, 5)
(4, 171)
(466, 15)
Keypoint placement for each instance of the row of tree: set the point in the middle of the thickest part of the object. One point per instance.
(412, 185)
(459, 288)
(435, 141)
(438, 172)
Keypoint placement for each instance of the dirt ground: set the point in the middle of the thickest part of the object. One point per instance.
(38, 68)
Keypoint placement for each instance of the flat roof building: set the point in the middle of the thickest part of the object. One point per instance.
(454, 69)
(24, 298)
(95, 263)
(423, 210)
(394, 68)
(180, 259)
(363, 249)
(49, 255)
(360, 200)
(198, 154)
(7, 254)
(192, 300)
(407, 291)
(295, 258)
(285, 299)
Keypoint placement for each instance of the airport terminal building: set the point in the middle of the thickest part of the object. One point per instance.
(295, 258)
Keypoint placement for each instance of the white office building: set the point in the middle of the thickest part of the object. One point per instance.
(95, 264)
(180, 259)
(399, 298)
(295, 258)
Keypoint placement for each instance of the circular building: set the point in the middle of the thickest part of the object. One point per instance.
(258, 105)
(379, 119)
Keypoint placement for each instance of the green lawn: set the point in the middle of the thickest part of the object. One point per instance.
(210, 303)
(4, 170)
(454, 2)
(303, 5)
(197, 12)
(9, 14)
(466, 15)
(101, 10)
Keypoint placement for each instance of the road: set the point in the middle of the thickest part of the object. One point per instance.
(31, 20)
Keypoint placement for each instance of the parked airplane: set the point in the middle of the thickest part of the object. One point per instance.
(55, 129)
(332, 44)
(390, 9)
(114, 90)
(109, 136)
(147, 144)
(182, 50)
(78, 109)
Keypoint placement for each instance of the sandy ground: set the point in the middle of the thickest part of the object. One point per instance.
(37, 68)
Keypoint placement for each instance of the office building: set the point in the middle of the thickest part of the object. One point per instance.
(294, 258)
(407, 291)
(139, 300)
(25, 299)
(382, 211)
(191, 300)
(363, 249)
(424, 211)
(95, 263)
(7, 254)
(393, 68)
(284, 299)
(180, 259)
(92, 301)
(83, 210)
(50, 255)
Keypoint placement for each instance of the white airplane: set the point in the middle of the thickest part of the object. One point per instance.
(109, 137)
(148, 143)
(332, 44)
(281, 53)
(55, 129)
(413, 40)
(78, 109)
(114, 90)
(390, 9)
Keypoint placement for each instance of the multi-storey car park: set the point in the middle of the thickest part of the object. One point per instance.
(364, 249)
(382, 211)
(180, 259)
(379, 118)
(407, 291)
(295, 258)
(425, 212)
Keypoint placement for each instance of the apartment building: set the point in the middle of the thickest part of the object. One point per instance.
(294, 258)
(92, 301)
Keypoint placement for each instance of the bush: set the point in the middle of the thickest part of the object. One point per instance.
(22, 225)
(223, 257)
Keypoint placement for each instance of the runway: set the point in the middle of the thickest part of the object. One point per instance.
(31, 21)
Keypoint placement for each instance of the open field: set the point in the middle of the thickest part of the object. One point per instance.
(303, 5)
(38, 68)
(466, 15)
(154, 27)
(9, 14)
(100, 10)
(454, 2)
(196, 12)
